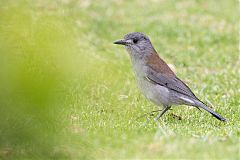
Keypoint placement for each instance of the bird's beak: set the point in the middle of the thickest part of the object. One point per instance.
(122, 42)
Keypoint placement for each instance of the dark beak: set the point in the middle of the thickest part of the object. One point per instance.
(122, 42)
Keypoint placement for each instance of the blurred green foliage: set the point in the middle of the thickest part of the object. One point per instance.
(66, 92)
(34, 47)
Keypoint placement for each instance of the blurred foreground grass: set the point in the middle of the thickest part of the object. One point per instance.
(67, 92)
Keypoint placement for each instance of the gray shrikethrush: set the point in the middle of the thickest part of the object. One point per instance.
(155, 79)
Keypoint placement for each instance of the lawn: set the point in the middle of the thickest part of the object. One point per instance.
(67, 92)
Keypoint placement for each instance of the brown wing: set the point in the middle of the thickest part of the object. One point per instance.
(160, 73)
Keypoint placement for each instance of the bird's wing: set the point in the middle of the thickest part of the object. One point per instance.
(170, 81)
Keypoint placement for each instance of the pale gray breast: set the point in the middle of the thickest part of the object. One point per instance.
(155, 93)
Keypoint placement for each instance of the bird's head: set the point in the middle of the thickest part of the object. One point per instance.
(137, 44)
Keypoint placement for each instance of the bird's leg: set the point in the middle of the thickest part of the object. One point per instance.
(159, 110)
(163, 111)
(156, 111)
(152, 113)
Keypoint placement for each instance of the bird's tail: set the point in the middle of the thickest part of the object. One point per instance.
(203, 106)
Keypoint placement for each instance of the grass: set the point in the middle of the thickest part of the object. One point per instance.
(68, 93)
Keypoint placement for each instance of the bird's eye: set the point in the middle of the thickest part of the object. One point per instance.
(135, 41)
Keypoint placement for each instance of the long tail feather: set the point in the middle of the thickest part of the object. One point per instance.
(203, 106)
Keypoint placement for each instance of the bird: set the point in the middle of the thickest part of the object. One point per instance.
(155, 79)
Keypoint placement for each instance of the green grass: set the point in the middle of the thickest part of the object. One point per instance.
(67, 92)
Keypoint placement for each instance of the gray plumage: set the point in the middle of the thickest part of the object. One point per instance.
(155, 79)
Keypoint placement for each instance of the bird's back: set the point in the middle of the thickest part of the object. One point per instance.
(158, 64)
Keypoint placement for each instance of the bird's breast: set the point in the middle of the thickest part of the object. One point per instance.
(155, 93)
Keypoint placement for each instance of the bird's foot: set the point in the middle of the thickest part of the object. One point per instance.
(152, 112)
